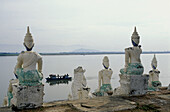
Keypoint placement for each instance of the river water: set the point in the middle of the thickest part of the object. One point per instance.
(65, 64)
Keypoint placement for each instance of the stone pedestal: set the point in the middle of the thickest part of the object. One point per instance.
(168, 87)
(132, 85)
(27, 96)
(83, 93)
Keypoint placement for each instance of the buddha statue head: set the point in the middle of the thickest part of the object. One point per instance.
(135, 38)
(154, 62)
(106, 62)
(79, 70)
(28, 40)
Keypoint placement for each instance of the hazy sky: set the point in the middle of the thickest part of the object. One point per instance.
(97, 24)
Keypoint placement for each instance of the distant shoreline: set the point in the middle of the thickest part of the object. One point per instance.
(85, 53)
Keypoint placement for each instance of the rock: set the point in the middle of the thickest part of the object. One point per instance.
(133, 103)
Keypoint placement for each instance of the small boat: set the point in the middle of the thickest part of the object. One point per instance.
(58, 82)
(53, 77)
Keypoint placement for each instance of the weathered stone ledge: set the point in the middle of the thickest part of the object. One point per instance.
(153, 101)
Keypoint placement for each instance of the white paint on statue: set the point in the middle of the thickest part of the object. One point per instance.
(105, 74)
(154, 73)
(28, 59)
(79, 86)
(132, 82)
(83, 93)
(154, 82)
(133, 64)
(104, 79)
(28, 93)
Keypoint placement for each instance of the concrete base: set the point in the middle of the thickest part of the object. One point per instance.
(132, 85)
(168, 87)
(83, 93)
(27, 96)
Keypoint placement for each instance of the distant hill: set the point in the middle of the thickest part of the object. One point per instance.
(14, 50)
(85, 50)
(40, 48)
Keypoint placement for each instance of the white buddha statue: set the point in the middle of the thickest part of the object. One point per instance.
(104, 78)
(154, 75)
(132, 82)
(79, 84)
(25, 69)
(133, 64)
(28, 91)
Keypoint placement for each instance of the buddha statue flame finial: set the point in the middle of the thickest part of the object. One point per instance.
(28, 30)
(135, 37)
(28, 40)
(135, 29)
(154, 62)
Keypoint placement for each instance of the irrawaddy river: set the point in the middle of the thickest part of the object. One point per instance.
(65, 64)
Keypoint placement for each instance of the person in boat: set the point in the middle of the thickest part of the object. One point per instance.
(67, 76)
(58, 76)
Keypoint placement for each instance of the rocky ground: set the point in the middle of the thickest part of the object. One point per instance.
(151, 102)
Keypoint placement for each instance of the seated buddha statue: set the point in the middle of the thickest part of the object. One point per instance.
(25, 69)
(104, 79)
(154, 82)
(133, 64)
